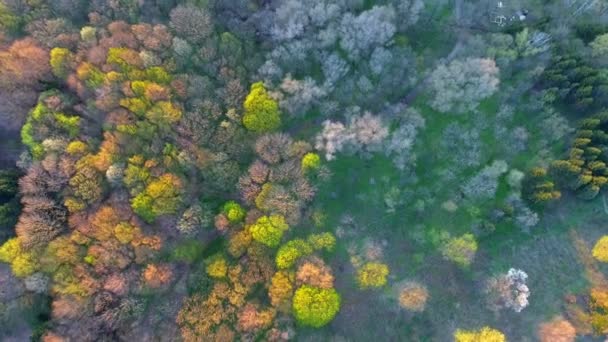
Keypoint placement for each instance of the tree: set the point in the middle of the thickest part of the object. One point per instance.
(508, 290)
(326, 241)
(556, 330)
(600, 250)
(9, 21)
(281, 289)
(22, 68)
(460, 85)
(571, 79)
(413, 296)
(217, 267)
(161, 197)
(261, 112)
(315, 307)
(538, 187)
(158, 275)
(485, 183)
(364, 134)
(60, 59)
(599, 46)
(290, 252)
(315, 272)
(485, 334)
(359, 34)
(191, 22)
(460, 250)
(269, 230)
(22, 262)
(191, 221)
(233, 211)
(372, 274)
(311, 162)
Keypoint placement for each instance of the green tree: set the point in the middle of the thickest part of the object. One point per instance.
(9, 21)
(372, 274)
(261, 111)
(315, 307)
(60, 61)
(290, 252)
(269, 230)
(233, 211)
(599, 46)
(310, 162)
(460, 250)
(161, 197)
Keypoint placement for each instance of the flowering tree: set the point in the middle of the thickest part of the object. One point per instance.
(508, 290)
(460, 85)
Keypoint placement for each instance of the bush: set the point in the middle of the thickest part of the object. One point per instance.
(372, 274)
(261, 112)
(315, 307)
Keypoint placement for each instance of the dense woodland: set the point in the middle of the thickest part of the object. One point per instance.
(310, 170)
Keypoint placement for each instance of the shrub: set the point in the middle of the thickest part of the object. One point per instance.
(600, 250)
(234, 212)
(372, 274)
(269, 230)
(290, 252)
(261, 112)
(315, 307)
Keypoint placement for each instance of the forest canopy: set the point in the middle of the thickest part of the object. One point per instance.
(315, 170)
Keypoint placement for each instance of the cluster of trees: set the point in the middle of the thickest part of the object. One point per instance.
(303, 34)
(573, 80)
(585, 170)
(459, 86)
(114, 153)
(148, 124)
